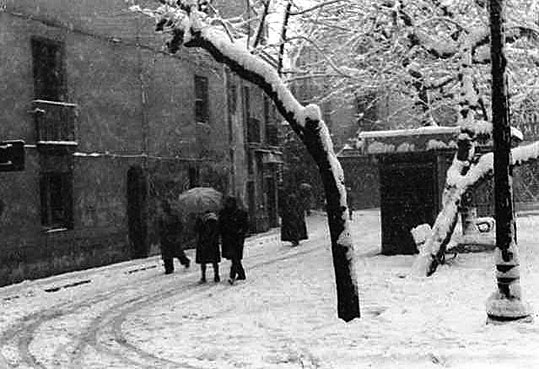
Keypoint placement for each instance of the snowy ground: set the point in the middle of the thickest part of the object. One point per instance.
(131, 315)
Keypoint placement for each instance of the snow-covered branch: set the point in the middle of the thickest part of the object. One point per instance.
(315, 7)
(192, 28)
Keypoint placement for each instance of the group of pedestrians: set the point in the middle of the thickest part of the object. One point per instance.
(221, 234)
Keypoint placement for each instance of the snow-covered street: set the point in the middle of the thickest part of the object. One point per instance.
(131, 315)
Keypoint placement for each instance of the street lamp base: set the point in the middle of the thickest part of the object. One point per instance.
(501, 310)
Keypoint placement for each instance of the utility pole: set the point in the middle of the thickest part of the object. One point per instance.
(505, 304)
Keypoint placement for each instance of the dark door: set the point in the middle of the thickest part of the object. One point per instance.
(251, 204)
(408, 198)
(136, 212)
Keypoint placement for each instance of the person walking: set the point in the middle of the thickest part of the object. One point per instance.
(170, 229)
(233, 226)
(293, 227)
(350, 202)
(207, 251)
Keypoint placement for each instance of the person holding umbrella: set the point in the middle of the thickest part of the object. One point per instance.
(206, 201)
(207, 250)
(170, 228)
(233, 226)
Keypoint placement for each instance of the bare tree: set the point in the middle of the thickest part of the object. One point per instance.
(431, 54)
(193, 28)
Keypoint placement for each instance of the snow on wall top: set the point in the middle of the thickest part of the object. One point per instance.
(410, 132)
(409, 140)
(414, 140)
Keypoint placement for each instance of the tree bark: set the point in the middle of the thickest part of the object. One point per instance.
(283, 37)
(434, 250)
(343, 258)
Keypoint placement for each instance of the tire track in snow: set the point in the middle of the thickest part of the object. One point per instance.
(20, 335)
(125, 349)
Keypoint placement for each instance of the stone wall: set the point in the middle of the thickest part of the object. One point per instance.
(135, 107)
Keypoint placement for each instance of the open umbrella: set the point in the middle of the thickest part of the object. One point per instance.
(199, 200)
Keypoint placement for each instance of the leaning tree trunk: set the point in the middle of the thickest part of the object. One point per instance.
(316, 139)
(307, 123)
(432, 253)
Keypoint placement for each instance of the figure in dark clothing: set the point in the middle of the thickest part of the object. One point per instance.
(293, 227)
(350, 202)
(170, 229)
(305, 197)
(207, 252)
(233, 226)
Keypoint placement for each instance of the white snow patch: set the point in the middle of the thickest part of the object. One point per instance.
(436, 145)
(239, 53)
(420, 234)
(429, 130)
(89, 154)
(405, 147)
(62, 143)
(517, 133)
(524, 153)
(312, 112)
(380, 148)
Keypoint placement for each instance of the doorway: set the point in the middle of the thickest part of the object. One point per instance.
(408, 199)
(136, 212)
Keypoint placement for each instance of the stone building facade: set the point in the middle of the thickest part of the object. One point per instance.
(112, 124)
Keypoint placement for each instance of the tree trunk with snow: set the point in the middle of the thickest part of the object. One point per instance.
(189, 29)
(433, 252)
(316, 138)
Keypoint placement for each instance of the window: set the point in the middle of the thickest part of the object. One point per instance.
(253, 131)
(201, 99)
(270, 123)
(266, 110)
(232, 100)
(56, 200)
(326, 114)
(246, 104)
(48, 65)
(232, 105)
(193, 177)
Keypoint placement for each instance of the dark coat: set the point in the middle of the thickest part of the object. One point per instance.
(293, 227)
(170, 230)
(207, 230)
(233, 226)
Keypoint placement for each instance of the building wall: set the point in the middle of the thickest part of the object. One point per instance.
(257, 163)
(135, 107)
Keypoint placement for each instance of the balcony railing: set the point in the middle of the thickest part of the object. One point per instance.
(55, 122)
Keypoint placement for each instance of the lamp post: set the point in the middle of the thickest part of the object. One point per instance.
(505, 304)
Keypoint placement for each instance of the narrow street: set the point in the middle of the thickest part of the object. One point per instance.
(79, 322)
(131, 315)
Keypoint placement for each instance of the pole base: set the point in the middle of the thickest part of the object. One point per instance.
(503, 310)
